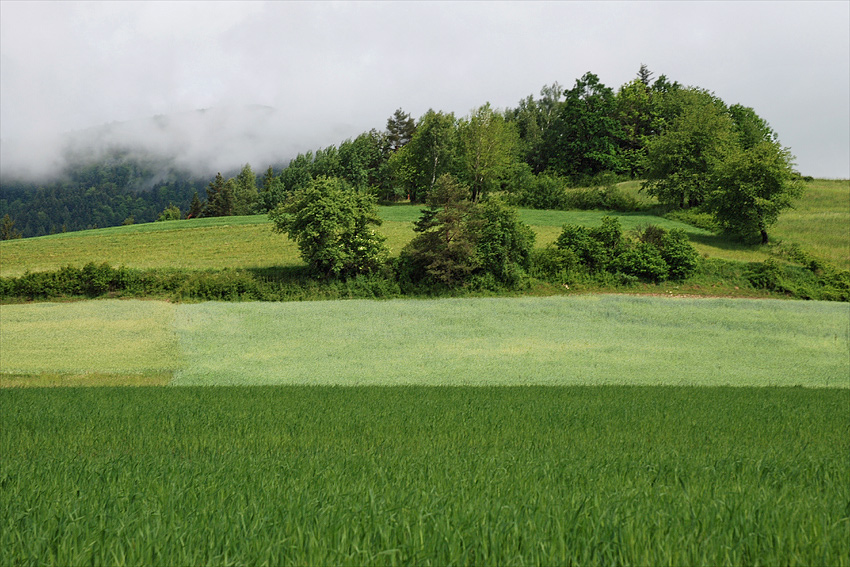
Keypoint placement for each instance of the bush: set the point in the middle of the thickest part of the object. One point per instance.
(681, 257)
(171, 212)
(589, 251)
(765, 275)
(503, 243)
(543, 192)
(552, 263)
(330, 222)
(642, 261)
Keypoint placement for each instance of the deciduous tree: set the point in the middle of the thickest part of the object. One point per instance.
(432, 152)
(331, 224)
(679, 161)
(489, 147)
(751, 187)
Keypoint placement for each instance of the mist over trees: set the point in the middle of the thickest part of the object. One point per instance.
(690, 147)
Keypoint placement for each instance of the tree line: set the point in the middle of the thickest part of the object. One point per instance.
(692, 149)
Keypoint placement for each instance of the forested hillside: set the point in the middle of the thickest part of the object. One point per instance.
(693, 150)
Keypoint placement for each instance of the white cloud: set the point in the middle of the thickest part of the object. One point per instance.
(333, 70)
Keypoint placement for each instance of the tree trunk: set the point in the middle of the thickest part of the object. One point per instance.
(763, 236)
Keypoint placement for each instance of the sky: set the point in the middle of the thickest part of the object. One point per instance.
(288, 77)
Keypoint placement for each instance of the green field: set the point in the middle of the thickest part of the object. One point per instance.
(820, 222)
(241, 242)
(428, 476)
(580, 340)
(567, 430)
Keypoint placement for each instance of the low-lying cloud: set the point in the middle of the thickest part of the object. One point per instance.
(333, 70)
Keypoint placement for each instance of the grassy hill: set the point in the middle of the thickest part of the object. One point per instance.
(819, 225)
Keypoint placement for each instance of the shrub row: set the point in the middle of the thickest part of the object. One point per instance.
(813, 281)
(93, 280)
(653, 255)
(554, 265)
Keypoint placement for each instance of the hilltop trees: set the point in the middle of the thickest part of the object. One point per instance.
(459, 238)
(726, 160)
(488, 149)
(680, 160)
(566, 148)
(584, 137)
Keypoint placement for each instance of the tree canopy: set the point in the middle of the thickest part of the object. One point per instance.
(331, 224)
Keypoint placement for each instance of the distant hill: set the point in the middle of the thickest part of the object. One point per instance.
(126, 172)
(200, 143)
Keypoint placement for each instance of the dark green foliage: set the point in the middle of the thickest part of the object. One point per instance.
(331, 225)
(92, 280)
(400, 129)
(553, 263)
(554, 192)
(656, 256)
(220, 197)
(542, 191)
(590, 252)
(444, 251)
(503, 242)
(609, 233)
(674, 248)
(459, 239)
(766, 275)
(196, 208)
(751, 187)
(584, 137)
(643, 261)
(245, 194)
(681, 159)
(94, 196)
(680, 256)
(8, 230)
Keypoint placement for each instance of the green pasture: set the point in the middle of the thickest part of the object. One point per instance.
(239, 242)
(578, 340)
(820, 222)
(425, 476)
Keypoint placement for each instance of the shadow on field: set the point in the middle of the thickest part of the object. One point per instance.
(281, 274)
(721, 242)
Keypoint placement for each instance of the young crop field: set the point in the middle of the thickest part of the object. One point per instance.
(579, 340)
(428, 476)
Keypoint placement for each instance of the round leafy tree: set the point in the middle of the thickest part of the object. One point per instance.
(330, 223)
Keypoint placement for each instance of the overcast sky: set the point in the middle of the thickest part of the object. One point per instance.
(334, 70)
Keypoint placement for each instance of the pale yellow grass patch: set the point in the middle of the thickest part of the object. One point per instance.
(108, 337)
